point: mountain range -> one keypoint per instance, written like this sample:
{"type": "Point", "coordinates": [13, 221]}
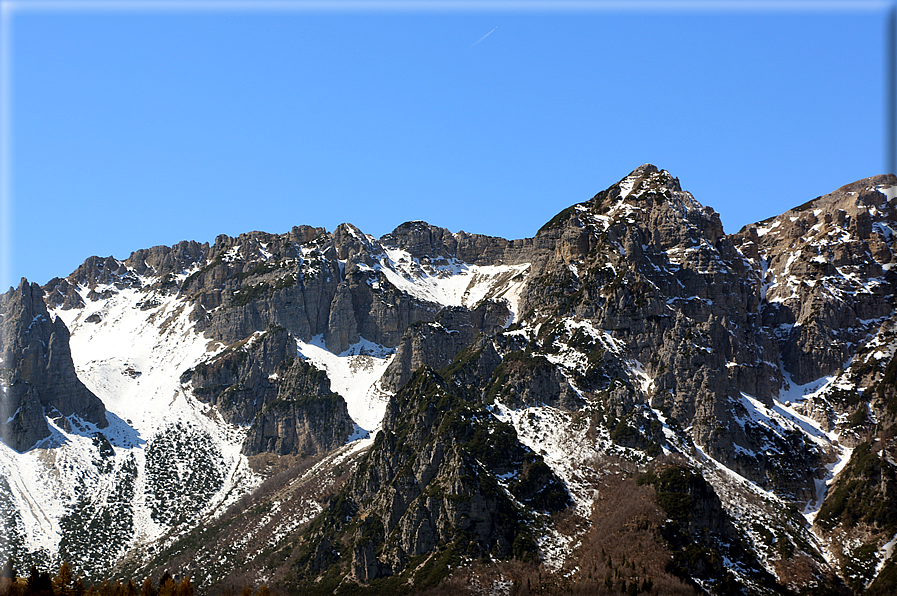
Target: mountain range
{"type": "Point", "coordinates": [630, 401]}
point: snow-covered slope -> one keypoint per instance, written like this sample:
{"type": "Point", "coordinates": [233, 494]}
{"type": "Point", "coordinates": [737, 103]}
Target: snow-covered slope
{"type": "Point", "coordinates": [129, 349]}
{"type": "Point", "coordinates": [451, 282]}
{"type": "Point", "coordinates": [354, 374]}
{"type": "Point", "coordinates": [167, 459]}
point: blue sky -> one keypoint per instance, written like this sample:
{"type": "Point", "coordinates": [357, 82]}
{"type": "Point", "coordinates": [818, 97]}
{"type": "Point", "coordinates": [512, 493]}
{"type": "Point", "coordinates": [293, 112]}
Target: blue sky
{"type": "Point", "coordinates": [138, 127]}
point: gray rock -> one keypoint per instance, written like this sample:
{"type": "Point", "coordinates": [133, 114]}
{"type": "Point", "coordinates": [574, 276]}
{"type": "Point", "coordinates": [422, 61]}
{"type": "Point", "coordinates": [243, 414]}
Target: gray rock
{"type": "Point", "coordinates": [287, 402]}
{"type": "Point", "coordinates": [38, 372]}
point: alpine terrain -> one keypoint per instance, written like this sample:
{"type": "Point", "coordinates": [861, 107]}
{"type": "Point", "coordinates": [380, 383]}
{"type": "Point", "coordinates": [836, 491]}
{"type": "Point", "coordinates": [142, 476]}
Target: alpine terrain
{"type": "Point", "coordinates": [631, 401]}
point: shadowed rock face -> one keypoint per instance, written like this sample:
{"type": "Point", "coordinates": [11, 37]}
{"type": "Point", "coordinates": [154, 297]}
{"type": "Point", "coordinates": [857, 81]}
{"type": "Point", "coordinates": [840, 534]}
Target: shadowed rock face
{"type": "Point", "coordinates": [38, 374]}
{"type": "Point", "coordinates": [286, 402]}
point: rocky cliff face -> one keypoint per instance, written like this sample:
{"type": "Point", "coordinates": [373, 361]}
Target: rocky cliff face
{"type": "Point", "coordinates": [824, 269]}
{"type": "Point", "coordinates": [442, 481]}
{"type": "Point", "coordinates": [473, 394]}
{"type": "Point", "coordinates": [286, 402]}
{"type": "Point", "coordinates": [39, 379]}
{"type": "Point", "coordinates": [650, 266]}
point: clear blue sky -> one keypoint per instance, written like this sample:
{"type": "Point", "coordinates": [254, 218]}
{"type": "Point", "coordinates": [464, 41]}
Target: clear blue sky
{"type": "Point", "coordinates": [132, 128]}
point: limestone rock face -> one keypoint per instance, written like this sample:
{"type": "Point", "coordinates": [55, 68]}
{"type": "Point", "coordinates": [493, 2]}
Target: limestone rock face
{"type": "Point", "coordinates": [342, 329]}
{"type": "Point", "coordinates": [38, 373]}
{"type": "Point", "coordinates": [286, 402]}
{"type": "Point", "coordinates": [434, 344]}
{"type": "Point", "coordinates": [630, 323]}
{"type": "Point", "coordinates": [827, 277]}
{"type": "Point", "coordinates": [299, 423]}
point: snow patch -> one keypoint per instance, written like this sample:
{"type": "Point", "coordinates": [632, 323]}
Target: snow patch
{"type": "Point", "coordinates": [355, 375]}
{"type": "Point", "coordinates": [451, 282]}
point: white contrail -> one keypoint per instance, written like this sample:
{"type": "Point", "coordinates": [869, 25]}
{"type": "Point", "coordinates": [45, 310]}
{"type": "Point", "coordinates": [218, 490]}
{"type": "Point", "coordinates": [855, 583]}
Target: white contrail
{"type": "Point", "coordinates": [482, 38]}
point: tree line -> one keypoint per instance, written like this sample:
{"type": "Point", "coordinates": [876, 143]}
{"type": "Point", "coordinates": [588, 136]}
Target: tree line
{"type": "Point", "coordinates": [66, 583]}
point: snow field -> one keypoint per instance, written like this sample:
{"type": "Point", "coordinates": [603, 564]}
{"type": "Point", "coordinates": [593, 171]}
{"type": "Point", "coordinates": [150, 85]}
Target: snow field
{"type": "Point", "coordinates": [355, 375]}
{"type": "Point", "coordinates": [450, 282]}
{"type": "Point", "coordinates": [132, 359]}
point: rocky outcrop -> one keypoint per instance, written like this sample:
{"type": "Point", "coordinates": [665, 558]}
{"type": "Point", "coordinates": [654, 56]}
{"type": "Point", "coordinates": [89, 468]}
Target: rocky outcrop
{"type": "Point", "coordinates": [38, 373]}
{"type": "Point", "coordinates": [304, 419]}
{"type": "Point", "coordinates": [437, 479]}
{"type": "Point", "coordinates": [241, 379]}
{"type": "Point", "coordinates": [423, 240]}
{"type": "Point", "coordinates": [286, 402]}
{"type": "Point", "coordinates": [435, 344]}
{"type": "Point", "coordinates": [342, 328]}
{"type": "Point", "coordinates": [825, 274]}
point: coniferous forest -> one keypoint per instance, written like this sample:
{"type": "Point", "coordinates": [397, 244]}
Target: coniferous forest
{"type": "Point", "coordinates": [65, 582]}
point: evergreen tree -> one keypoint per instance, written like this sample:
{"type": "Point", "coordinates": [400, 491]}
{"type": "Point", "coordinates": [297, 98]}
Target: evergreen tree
{"type": "Point", "coordinates": [185, 588]}
{"type": "Point", "coordinates": [9, 569]}
{"type": "Point", "coordinates": [10, 587]}
{"type": "Point", "coordinates": [147, 589]}
{"type": "Point", "coordinates": [39, 583]}
{"type": "Point", "coordinates": [32, 576]}
{"type": "Point", "coordinates": [103, 589]}
{"type": "Point", "coordinates": [263, 591]}
{"type": "Point", "coordinates": [166, 585]}
{"type": "Point", "coordinates": [78, 588]}
{"type": "Point", "coordinates": [62, 583]}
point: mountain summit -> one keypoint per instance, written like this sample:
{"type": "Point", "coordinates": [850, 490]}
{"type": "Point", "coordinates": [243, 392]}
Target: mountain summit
{"type": "Point", "coordinates": [629, 400]}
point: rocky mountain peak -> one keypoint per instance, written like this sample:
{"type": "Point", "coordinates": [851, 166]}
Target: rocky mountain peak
{"type": "Point", "coordinates": [421, 239]}
{"type": "Point", "coordinates": [671, 215]}
{"type": "Point", "coordinates": [431, 399]}
{"type": "Point", "coordinates": [38, 375]}
{"type": "Point", "coordinates": [349, 241]}
{"type": "Point", "coordinates": [646, 178]}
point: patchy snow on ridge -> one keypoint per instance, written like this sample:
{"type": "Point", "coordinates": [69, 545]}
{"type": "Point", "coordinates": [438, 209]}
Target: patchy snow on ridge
{"type": "Point", "coordinates": [451, 282]}
{"type": "Point", "coordinates": [627, 184]}
{"type": "Point", "coordinates": [889, 191]}
{"type": "Point", "coordinates": [793, 393]}
{"type": "Point", "coordinates": [563, 445]}
{"type": "Point", "coordinates": [568, 352]}
{"type": "Point", "coordinates": [780, 421]}
{"type": "Point", "coordinates": [565, 448]}
{"type": "Point", "coordinates": [355, 375]}
{"type": "Point", "coordinates": [887, 550]}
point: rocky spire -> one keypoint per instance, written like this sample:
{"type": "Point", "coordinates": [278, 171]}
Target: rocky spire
{"type": "Point", "coordinates": [38, 375]}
